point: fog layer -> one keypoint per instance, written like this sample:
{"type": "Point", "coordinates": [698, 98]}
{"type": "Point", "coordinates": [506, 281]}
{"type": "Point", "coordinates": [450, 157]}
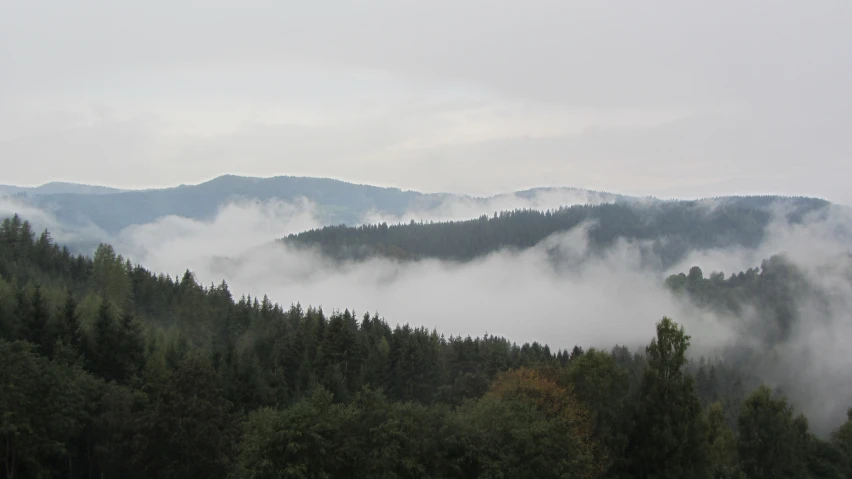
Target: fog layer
{"type": "Point", "coordinates": [600, 301]}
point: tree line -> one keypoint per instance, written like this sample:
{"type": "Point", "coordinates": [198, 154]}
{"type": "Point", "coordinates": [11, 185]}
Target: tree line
{"type": "Point", "coordinates": [673, 228]}
{"type": "Point", "coordinates": [110, 370]}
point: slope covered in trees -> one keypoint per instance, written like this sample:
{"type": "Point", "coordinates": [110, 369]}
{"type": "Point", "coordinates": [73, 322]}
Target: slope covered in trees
{"type": "Point", "coordinates": [671, 228]}
{"type": "Point", "coordinates": [112, 371]}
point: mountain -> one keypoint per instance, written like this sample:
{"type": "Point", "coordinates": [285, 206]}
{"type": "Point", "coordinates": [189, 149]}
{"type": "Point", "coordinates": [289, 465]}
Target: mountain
{"type": "Point", "coordinates": [336, 202]}
{"type": "Point", "coordinates": [425, 225]}
{"type": "Point", "coordinates": [57, 187]}
{"type": "Point", "coordinates": [165, 377]}
{"type": "Point", "coordinates": [668, 230]}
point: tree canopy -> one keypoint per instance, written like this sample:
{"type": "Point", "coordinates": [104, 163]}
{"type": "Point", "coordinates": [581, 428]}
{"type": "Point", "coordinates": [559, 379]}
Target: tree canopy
{"type": "Point", "coordinates": [110, 370]}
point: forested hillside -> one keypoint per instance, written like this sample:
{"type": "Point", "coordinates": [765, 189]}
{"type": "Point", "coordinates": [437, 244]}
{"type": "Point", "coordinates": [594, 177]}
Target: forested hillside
{"type": "Point", "coordinates": [774, 291]}
{"type": "Point", "coordinates": [671, 229]}
{"type": "Point", "coordinates": [109, 370]}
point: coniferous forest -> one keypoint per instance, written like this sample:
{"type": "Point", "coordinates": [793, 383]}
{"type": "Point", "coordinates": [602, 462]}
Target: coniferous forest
{"type": "Point", "coordinates": [108, 370]}
{"type": "Point", "coordinates": [672, 229]}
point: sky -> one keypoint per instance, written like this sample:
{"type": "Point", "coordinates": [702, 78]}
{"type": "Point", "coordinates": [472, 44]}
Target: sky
{"type": "Point", "coordinates": [666, 98]}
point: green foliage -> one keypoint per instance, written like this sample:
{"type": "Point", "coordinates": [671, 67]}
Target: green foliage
{"type": "Point", "coordinates": [672, 228]}
{"type": "Point", "coordinates": [190, 431]}
{"type": "Point", "coordinates": [110, 276]}
{"type": "Point", "coordinates": [772, 442]}
{"type": "Point", "coordinates": [303, 441]}
{"type": "Point", "coordinates": [669, 438]}
{"type": "Point", "coordinates": [722, 444]}
{"type": "Point", "coordinates": [35, 320]}
{"type": "Point", "coordinates": [153, 376]}
{"type": "Point", "coordinates": [68, 323]}
{"type": "Point", "coordinates": [842, 437]}
{"type": "Point", "coordinates": [773, 290]}
{"type": "Point", "coordinates": [603, 386]}
{"type": "Point", "coordinates": [41, 410]}
{"type": "Point", "coordinates": [827, 460]}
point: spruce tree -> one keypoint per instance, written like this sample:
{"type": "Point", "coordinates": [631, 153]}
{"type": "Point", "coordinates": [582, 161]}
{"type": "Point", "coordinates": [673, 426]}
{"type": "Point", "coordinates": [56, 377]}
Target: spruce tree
{"type": "Point", "coordinates": [69, 322]}
{"type": "Point", "coordinates": [131, 345]}
{"type": "Point", "coordinates": [102, 348]}
{"type": "Point", "coordinates": [35, 323]}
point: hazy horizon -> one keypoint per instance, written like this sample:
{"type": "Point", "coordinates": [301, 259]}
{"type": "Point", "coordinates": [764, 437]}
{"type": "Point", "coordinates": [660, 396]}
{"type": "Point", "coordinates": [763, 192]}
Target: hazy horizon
{"type": "Point", "coordinates": [666, 99]}
{"type": "Point", "coordinates": [519, 239]}
{"type": "Point", "coordinates": [487, 194]}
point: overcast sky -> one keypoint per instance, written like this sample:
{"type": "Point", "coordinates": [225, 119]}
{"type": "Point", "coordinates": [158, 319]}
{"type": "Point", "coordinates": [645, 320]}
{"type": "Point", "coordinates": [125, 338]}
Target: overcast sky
{"type": "Point", "coordinates": [671, 98]}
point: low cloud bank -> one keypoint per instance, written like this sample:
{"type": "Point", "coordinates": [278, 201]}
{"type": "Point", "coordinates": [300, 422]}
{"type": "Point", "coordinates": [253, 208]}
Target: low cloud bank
{"type": "Point", "coordinates": [601, 301]}
{"type": "Point", "coordinates": [813, 365]}
{"type": "Point", "coordinates": [83, 236]}
{"type": "Point", "coordinates": [465, 208]}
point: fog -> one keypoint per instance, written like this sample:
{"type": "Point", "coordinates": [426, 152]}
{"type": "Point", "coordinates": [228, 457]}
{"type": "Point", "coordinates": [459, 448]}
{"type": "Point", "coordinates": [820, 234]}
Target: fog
{"type": "Point", "coordinates": [465, 207]}
{"type": "Point", "coordinates": [80, 236]}
{"type": "Point", "coordinates": [600, 301]}
{"type": "Point", "coordinates": [812, 366]}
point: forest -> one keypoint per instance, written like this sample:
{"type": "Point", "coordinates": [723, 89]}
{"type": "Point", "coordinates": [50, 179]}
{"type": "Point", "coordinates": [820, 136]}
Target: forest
{"type": "Point", "coordinates": [113, 371]}
{"type": "Point", "coordinates": [672, 228]}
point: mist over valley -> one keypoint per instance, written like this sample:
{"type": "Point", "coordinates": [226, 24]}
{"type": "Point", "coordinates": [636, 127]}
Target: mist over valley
{"type": "Point", "coordinates": [402, 240]}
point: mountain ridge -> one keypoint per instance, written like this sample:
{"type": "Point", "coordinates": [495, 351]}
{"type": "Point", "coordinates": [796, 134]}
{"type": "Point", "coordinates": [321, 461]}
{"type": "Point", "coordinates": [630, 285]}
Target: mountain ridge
{"type": "Point", "coordinates": [337, 201]}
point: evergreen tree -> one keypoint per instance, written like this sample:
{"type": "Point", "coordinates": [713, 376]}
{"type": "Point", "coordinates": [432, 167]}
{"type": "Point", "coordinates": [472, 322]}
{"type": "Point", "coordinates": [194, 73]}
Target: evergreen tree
{"type": "Point", "coordinates": [191, 431]}
{"type": "Point", "coordinates": [151, 403]}
{"type": "Point", "coordinates": [102, 349]}
{"type": "Point", "coordinates": [130, 343]}
{"type": "Point", "coordinates": [68, 320]}
{"type": "Point", "coordinates": [21, 313]}
{"type": "Point", "coordinates": [35, 326]}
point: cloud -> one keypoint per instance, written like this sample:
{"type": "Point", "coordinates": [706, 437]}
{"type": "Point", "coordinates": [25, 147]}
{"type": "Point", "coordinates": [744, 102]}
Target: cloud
{"type": "Point", "coordinates": [536, 302]}
{"type": "Point", "coordinates": [79, 237]}
{"type": "Point", "coordinates": [172, 244]}
{"type": "Point", "coordinates": [460, 208]}
{"type": "Point", "coordinates": [592, 300]}
{"type": "Point", "coordinates": [815, 355]}
{"type": "Point", "coordinates": [639, 99]}
{"type": "Point", "coordinates": [580, 53]}
{"type": "Point", "coordinates": [812, 243]}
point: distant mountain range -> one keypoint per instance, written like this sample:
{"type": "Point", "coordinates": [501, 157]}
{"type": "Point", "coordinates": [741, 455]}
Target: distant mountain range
{"type": "Point", "coordinates": [336, 202]}
{"type": "Point", "coordinates": [57, 187]}
{"type": "Point", "coordinates": [464, 227]}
